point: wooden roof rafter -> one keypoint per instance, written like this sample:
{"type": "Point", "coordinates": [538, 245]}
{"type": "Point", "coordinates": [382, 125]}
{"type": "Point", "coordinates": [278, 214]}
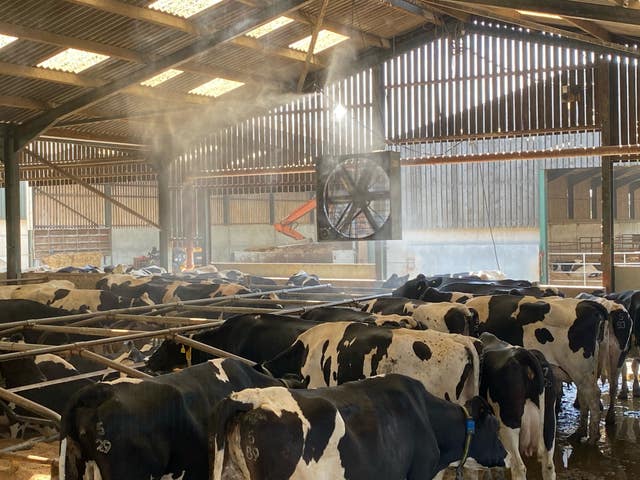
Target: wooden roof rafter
{"type": "Point", "coordinates": [188, 26]}
{"type": "Point", "coordinates": [38, 125]}
{"type": "Point", "coordinates": [509, 14]}
{"type": "Point", "coordinates": [65, 41]}
{"type": "Point", "coordinates": [566, 8]}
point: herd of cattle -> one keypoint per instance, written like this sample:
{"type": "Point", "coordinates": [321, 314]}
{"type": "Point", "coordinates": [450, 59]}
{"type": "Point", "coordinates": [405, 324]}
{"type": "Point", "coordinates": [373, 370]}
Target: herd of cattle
{"type": "Point", "coordinates": [445, 372]}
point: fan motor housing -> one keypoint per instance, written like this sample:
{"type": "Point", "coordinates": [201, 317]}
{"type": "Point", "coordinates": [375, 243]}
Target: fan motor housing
{"type": "Point", "coordinates": [359, 197]}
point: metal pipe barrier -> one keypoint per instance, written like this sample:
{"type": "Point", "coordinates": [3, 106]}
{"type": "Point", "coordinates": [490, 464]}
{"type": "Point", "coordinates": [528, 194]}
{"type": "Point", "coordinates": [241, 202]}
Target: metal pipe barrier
{"type": "Point", "coordinates": [144, 308]}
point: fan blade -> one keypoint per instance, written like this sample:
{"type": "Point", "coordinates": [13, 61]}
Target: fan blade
{"type": "Point", "coordinates": [372, 221]}
{"type": "Point", "coordinates": [346, 217]}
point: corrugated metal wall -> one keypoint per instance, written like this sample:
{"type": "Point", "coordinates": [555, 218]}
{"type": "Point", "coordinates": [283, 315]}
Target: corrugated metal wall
{"type": "Point", "coordinates": [460, 94]}
{"type": "Point", "coordinates": [480, 195]}
{"type": "Point", "coordinates": [257, 208]}
{"type": "Point", "coordinates": [74, 206]}
{"type": "Point", "coordinates": [93, 164]}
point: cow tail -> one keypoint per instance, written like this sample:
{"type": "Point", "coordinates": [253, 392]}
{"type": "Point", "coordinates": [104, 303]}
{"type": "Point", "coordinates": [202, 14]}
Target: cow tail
{"type": "Point", "coordinates": [220, 427]}
{"type": "Point", "coordinates": [288, 362]}
{"type": "Point", "coordinates": [535, 376]}
{"type": "Point", "coordinates": [622, 329]}
{"type": "Point", "coordinates": [474, 356]}
{"type": "Point", "coordinates": [474, 323]}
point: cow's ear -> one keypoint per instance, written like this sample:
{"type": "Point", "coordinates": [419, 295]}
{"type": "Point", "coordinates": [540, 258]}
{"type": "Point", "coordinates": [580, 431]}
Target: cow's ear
{"type": "Point", "coordinates": [478, 408]}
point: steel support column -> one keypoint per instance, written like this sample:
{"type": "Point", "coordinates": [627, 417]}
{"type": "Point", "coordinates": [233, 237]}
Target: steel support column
{"type": "Point", "coordinates": [606, 91]}
{"type": "Point", "coordinates": [164, 214]}
{"type": "Point", "coordinates": [12, 202]}
{"type": "Point", "coordinates": [204, 223]}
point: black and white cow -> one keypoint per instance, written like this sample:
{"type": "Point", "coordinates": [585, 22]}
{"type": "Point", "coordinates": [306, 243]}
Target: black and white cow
{"type": "Point", "coordinates": [415, 288]}
{"type": "Point", "coordinates": [303, 279]}
{"type": "Point", "coordinates": [395, 281]}
{"type": "Point", "coordinates": [630, 299]}
{"type": "Point", "coordinates": [30, 290]}
{"type": "Point", "coordinates": [337, 314]}
{"type": "Point", "coordinates": [513, 381]}
{"type": "Point", "coordinates": [20, 310]}
{"type": "Point", "coordinates": [381, 428]}
{"type": "Point", "coordinates": [81, 300]}
{"type": "Point", "coordinates": [567, 331]}
{"type": "Point", "coordinates": [434, 295]}
{"type": "Point", "coordinates": [257, 337]}
{"type": "Point", "coordinates": [443, 316]}
{"type": "Point", "coordinates": [167, 289]}
{"type": "Point", "coordinates": [342, 314]}
{"type": "Point", "coordinates": [614, 346]}
{"type": "Point", "coordinates": [140, 429]}
{"type": "Point", "coordinates": [334, 353]}
{"type": "Point", "coordinates": [27, 371]}
{"type": "Point", "coordinates": [490, 288]}
{"type": "Point", "coordinates": [180, 292]}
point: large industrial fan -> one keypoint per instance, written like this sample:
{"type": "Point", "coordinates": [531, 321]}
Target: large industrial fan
{"type": "Point", "coordinates": [358, 197]}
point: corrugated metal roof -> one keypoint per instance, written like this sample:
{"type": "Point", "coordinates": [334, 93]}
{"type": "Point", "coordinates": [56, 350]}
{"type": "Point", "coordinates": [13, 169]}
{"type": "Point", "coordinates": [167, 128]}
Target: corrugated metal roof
{"type": "Point", "coordinates": [85, 23]}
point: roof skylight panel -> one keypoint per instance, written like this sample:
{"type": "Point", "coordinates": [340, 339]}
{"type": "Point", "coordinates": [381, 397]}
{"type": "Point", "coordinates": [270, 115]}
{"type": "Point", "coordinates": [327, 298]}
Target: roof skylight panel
{"type": "Point", "coordinates": [182, 8]}
{"type": "Point", "coordinates": [161, 78]}
{"type": "Point", "coordinates": [267, 28]}
{"type": "Point", "coordinates": [72, 60]}
{"type": "Point", "coordinates": [216, 87]}
{"type": "Point", "coordinates": [326, 39]}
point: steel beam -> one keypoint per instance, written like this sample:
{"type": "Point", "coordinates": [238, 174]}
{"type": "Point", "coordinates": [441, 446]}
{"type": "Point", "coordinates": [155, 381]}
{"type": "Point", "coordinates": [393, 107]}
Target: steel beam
{"type": "Point", "coordinates": [88, 186]}
{"type": "Point", "coordinates": [164, 214]}
{"type": "Point", "coordinates": [34, 407]}
{"type": "Point", "coordinates": [312, 44]}
{"type": "Point", "coordinates": [12, 203]}
{"type": "Point", "coordinates": [605, 92]}
{"type": "Point", "coordinates": [604, 151]}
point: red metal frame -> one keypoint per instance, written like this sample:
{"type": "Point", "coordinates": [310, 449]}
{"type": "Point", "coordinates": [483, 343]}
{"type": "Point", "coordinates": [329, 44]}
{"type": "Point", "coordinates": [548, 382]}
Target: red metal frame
{"type": "Point", "coordinates": [284, 225]}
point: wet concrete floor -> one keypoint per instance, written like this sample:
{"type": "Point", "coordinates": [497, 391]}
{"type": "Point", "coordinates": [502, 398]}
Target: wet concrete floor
{"type": "Point", "coordinates": [617, 454]}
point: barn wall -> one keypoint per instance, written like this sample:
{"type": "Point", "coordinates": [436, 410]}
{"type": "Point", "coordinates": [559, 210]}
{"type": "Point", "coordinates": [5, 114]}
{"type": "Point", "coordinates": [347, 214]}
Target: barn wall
{"type": "Point", "coordinates": [24, 245]}
{"type": "Point", "coordinates": [449, 251]}
{"type": "Point", "coordinates": [127, 243]}
{"type": "Point", "coordinates": [228, 242]}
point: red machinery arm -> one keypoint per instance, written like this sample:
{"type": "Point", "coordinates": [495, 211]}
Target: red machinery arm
{"type": "Point", "coordinates": [284, 225]}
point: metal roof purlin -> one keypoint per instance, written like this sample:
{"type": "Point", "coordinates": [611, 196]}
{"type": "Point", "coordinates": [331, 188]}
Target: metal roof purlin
{"type": "Point", "coordinates": [35, 127]}
{"type": "Point", "coordinates": [586, 11]}
{"type": "Point", "coordinates": [64, 41]}
{"type": "Point", "coordinates": [510, 16]}
{"type": "Point", "coordinates": [191, 27]}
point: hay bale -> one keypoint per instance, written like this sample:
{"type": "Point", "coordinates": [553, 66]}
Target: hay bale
{"type": "Point", "coordinates": [77, 259]}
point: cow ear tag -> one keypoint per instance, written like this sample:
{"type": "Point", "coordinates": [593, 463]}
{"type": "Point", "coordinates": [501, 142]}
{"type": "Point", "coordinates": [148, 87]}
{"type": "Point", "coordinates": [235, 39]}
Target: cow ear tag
{"type": "Point", "coordinates": [187, 354]}
{"type": "Point", "coordinates": [471, 426]}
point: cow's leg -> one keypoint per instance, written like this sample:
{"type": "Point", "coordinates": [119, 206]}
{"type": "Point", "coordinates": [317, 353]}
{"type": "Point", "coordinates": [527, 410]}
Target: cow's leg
{"type": "Point", "coordinates": [589, 394]}
{"type": "Point", "coordinates": [634, 372]}
{"type": "Point", "coordinates": [510, 438]}
{"type": "Point", "coordinates": [624, 389]}
{"type": "Point", "coordinates": [545, 457]}
{"type": "Point", "coordinates": [440, 475]}
{"type": "Point", "coordinates": [614, 356]}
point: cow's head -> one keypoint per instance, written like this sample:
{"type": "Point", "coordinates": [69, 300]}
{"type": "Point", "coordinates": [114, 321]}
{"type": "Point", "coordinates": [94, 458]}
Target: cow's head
{"type": "Point", "coordinates": [622, 328]}
{"type": "Point", "coordinates": [485, 448]}
{"type": "Point", "coordinates": [168, 356]}
{"type": "Point", "coordinates": [413, 289]}
{"type": "Point", "coordinates": [473, 320]}
{"type": "Point", "coordinates": [142, 300]}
